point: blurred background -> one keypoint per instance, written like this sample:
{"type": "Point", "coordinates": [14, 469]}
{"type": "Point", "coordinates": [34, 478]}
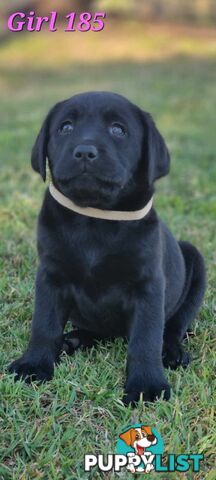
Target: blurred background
{"type": "Point", "coordinates": [161, 54]}
{"type": "Point", "coordinates": [192, 11]}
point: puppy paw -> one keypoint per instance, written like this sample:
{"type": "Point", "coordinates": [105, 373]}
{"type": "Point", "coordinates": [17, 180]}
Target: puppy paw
{"type": "Point", "coordinates": [131, 398]}
{"type": "Point", "coordinates": [149, 468]}
{"type": "Point", "coordinates": [174, 356]}
{"type": "Point", "coordinates": [150, 394]}
{"type": "Point", "coordinates": [30, 370]}
{"type": "Point", "coordinates": [77, 339]}
{"type": "Point", "coordinates": [71, 343]}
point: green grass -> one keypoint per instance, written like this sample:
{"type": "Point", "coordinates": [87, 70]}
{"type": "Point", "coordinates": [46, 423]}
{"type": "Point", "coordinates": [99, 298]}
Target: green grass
{"type": "Point", "coordinates": [46, 429]}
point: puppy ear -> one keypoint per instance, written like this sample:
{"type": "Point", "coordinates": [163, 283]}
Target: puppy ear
{"type": "Point", "coordinates": [39, 150]}
{"type": "Point", "coordinates": [146, 429]}
{"type": "Point", "coordinates": [126, 437]}
{"type": "Point", "coordinates": [156, 153]}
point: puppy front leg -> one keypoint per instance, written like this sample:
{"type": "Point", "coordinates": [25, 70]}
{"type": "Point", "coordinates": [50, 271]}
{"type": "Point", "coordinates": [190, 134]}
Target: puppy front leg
{"type": "Point", "coordinates": [144, 364]}
{"type": "Point", "coordinates": [49, 319]}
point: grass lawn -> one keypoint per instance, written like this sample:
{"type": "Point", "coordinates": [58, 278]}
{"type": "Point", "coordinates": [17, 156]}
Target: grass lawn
{"type": "Point", "coordinates": [47, 429]}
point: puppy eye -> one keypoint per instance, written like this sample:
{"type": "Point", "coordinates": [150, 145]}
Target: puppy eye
{"type": "Point", "coordinates": [117, 130]}
{"type": "Point", "coordinates": [66, 128]}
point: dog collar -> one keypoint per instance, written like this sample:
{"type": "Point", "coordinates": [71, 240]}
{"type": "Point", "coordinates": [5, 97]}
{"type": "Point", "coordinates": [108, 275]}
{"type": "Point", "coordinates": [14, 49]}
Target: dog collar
{"type": "Point", "coordinates": [96, 212]}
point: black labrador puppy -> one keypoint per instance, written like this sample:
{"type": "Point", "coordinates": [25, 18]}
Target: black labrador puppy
{"type": "Point", "coordinates": [107, 262]}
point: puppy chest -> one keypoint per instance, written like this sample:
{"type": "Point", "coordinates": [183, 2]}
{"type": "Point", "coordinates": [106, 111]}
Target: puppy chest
{"type": "Point", "coordinates": [106, 313]}
{"type": "Point", "coordinates": [104, 295]}
{"type": "Point", "coordinates": [102, 272]}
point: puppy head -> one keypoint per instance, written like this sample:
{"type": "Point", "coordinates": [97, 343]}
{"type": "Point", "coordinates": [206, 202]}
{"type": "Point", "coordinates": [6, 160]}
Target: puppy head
{"type": "Point", "coordinates": [102, 150]}
{"type": "Point", "coordinates": [139, 438]}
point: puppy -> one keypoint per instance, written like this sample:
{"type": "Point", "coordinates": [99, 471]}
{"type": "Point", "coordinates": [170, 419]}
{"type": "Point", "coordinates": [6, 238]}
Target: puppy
{"type": "Point", "coordinates": [139, 439]}
{"type": "Point", "coordinates": [106, 260]}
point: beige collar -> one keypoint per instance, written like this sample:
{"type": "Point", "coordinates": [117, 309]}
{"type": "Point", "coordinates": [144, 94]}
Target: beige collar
{"type": "Point", "coordinates": [96, 212]}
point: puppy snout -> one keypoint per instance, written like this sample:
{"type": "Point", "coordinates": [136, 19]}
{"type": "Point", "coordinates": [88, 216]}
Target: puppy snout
{"type": "Point", "coordinates": [85, 152]}
{"type": "Point", "coordinates": [150, 438]}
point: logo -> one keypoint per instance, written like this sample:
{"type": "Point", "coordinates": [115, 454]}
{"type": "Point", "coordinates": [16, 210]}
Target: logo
{"type": "Point", "coordinates": [140, 443]}
{"type": "Point", "coordinates": [140, 449]}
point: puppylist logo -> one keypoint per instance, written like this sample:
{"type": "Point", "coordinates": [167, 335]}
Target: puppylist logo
{"type": "Point", "coordinates": [140, 449]}
{"type": "Point", "coordinates": [140, 444]}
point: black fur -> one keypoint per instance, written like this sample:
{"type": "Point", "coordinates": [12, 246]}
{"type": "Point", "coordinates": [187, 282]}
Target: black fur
{"type": "Point", "coordinates": [111, 278]}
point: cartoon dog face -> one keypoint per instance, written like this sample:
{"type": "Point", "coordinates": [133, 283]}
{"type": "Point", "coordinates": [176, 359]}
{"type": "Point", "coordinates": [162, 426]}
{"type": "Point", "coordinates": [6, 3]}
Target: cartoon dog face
{"type": "Point", "coordinates": [139, 438]}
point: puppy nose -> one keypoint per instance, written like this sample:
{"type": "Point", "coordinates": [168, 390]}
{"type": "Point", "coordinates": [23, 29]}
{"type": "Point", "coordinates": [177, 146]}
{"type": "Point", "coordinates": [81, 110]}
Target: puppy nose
{"type": "Point", "coordinates": [150, 438]}
{"type": "Point", "coordinates": [85, 152]}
